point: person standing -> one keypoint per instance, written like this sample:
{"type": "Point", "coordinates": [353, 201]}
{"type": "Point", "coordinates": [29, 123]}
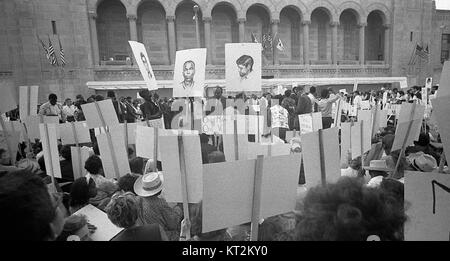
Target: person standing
{"type": "Point", "coordinates": [69, 110]}
{"type": "Point", "coordinates": [325, 106]}
{"type": "Point", "coordinates": [304, 105]}
{"type": "Point", "coordinates": [131, 113]}
{"type": "Point", "coordinates": [53, 108]}
{"type": "Point", "coordinates": [150, 110]}
{"type": "Point", "coordinates": [117, 107]}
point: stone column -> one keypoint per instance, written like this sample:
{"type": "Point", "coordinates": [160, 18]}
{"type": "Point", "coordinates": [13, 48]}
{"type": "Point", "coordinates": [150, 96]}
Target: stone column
{"type": "Point", "coordinates": [94, 39]}
{"type": "Point", "coordinates": [306, 41]}
{"type": "Point", "coordinates": [207, 23]}
{"type": "Point", "coordinates": [172, 39]}
{"type": "Point", "coordinates": [275, 23]}
{"type": "Point", "coordinates": [387, 38]}
{"type": "Point", "coordinates": [133, 27]}
{"type": "Point", "coordinates": [362, 43]}
{"type": "Point", "coordinates": [334, 28]}
{"type": "Point", "coordinates": [241, 22]}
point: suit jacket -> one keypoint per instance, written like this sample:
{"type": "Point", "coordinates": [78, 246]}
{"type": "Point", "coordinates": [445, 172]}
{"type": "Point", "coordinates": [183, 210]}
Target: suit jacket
{"type": "Point", "coordinates": [150, 110]}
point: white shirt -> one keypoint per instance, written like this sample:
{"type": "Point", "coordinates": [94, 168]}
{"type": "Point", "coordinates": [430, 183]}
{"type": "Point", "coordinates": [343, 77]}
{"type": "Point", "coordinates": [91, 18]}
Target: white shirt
{"type": "Point", "coordinates": [357, 101]}
{"type": "Point", "coordinates": [313, 101]}
{"type": "Point", "coordinates": [69, 110]}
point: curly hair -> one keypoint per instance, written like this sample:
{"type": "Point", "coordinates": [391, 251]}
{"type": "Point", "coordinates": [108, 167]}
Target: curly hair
{"type": "Point", "coordinates": [350, 211]}
{"type": "Point", "coordinates": [122, 210]}
{"type": "Point", "coordinates": [93, 164]}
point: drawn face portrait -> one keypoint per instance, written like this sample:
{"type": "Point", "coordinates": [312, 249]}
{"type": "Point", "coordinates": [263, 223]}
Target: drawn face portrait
{"type": "Point", "coordinates": [245, 66]}
{"type": "Point", "coordinates": [188, 70]}
{"type": "Point", "coordinates": [147, 67]}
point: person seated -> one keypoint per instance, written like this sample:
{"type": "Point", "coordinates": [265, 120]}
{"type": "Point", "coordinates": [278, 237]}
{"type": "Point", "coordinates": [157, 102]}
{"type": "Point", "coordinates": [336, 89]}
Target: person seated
{"type": "Point", "coordinates": [155, 209]}
{"type": "Point", "coordinates": [66, 168]}
{"type": "Point", "coordinates": [350, 211]}
{"type": "Point", "coordinates": [123, 211]}
{"type": "Point", "coordinates": [29, 211]}
{"type": "Point", "coordinates": [81, 191]}
{"type": "Point", "coordinates": [423, 145]}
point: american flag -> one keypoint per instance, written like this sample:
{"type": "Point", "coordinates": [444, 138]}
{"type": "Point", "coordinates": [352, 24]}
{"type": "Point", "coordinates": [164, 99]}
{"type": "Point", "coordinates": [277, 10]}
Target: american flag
{"type": "Point", "coordinates": [51, 53]}
{"type": "Point", "coordinates": [45, 48]}
{"type": "Point", "coordinates": [422, 53]}
{"type": "Point", "coordinates": [61, 53]}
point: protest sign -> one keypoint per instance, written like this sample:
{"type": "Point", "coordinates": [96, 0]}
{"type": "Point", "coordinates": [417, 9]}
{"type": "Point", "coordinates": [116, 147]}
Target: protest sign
{"type": "Point", "coordinates": [106, 230]}
{"type": "Point", "coordinates": [366, 116]}
{"type": "Point", "coordinates": [157, 123]}
{"type": "Point", "coordinates": [444, 83]}
{"type": "Point", "coordinates": [345, 142]}
{"type": "Point", "coordinates": [408, 125]}
{"type": "Point", "coordinates": [212, 125]}
{"type": "Point", "coordinates": [229, 190]}
{"type": "Point", "coordinates": [28, 98]}
{"type": "Point", "coordinates": [145, 142]}
{"type": "Point", "coordinates": [143, 62]}
{"type": "Point", "coordinates": [50, 148]}
{"type": "Point", "coordinates": [189, 73]}
{"type": "Point", "coordinates": [338, 113]}
{"type": "Point", "coordinates": [172, 167]}
{"type": "Point", "coordinates": [441, 109]}
{"type": "Point", "coordinates": [428, 197]}
{"type": "Point", "coordinates": [16, 126]}
{"type": "Point", "coordinates": [74, 132]}
{"type": "Point", "coordinates": [129, 131]}
{"type": "Point", "coordinates": [267, 150]}
{"type": "Point", "coordinates": [320, 152]}
{"type": "Point", "coordinates": [113, 153]}
{"type": "Point", "coordinates": [280, 117]}
{"type": "Point", "coordinates": [243, 67]}
{"type": "Point", "coordinates": [9, 141]}
{"type": "Point", "coordinates": [356, 141]}
{"type": "Point", "coordinates": [310, 122]}
{"type": "Point", "coordinates": [8, 100]}
{"type": "Point", "coordinates": [79, 157]}
{"type": "Point", "coordinates": [100, 114]}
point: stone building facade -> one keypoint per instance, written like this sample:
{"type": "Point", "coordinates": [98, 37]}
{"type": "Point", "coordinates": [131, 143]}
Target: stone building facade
{"type": "Point", "coordinates": [322, 38]}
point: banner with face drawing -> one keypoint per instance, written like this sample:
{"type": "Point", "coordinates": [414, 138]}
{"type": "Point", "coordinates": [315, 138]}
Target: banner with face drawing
{"type": "Point", "coordinates": [189, 73]}
{"type": "Point", "coordinates": [243, 66]}
{"type": "Point", "coordinates": [141, 57]}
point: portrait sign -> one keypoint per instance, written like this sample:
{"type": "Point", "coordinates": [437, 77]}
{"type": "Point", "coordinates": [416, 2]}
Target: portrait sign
{"type": "Point", "coordinates": [189, 73]}
{"type": "Point", "coordinates": [243, 66]}
{"type": "Point", "coordinates": [140, 54]}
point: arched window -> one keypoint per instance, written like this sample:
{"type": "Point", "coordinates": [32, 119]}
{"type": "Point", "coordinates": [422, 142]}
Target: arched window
{"type": "Point", "coordinates": [320, 36]}
{"type": "Point", "coordinates": [348, 42]}
{"type": "Point", "coordinates": [225, 29]}
{"type": "Point", "coordinates": [152, 31]}
{"type": "Point", "coordinates": [185, 26]}
{"type": "Point", "coordinates": [289, 33]}
{"type": "Point", "coordinates": [113, 32]}
{"type": "Point", "coordinates": [258, 24]}
{"type": "Point", "coordinates": [375, 37]}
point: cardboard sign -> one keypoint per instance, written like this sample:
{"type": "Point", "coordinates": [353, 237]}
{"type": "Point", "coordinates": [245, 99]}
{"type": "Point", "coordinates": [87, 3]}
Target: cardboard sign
{"type": "Point", "coordinates": [28, 97]}
{"type": "Point", "coordinates": [444, 83]}
{"type": "Point", "coordinates": [267, 150]}
{"type": "Point", "coordinates": [212, 125]}
{"type": "Point", "coordinates": [228, 190]}
{"type": "Point", "coordinates": [424, 93]}
{"type": "Point", "coordinates": [428, 195]}
{"type": "Point", "coordinates": [79, 157]}
{"type": "Point", "coordinates": [365, 105]}
{"type": "Point", "coordinates": [243, 67]}
{"type": "Point", "coordinates": [13, 139]}
{"type": "Point", "coordinates": [106, 230]}
{"type": "Point", "coordinates": [291, 135]}
{"type": "Point", "coordinates": [280, 117]}
{"type": "Point", "coordinates": [130, 132]}
{"type": "Point", "coordinates": [157, 123]}
{"type": "Point", "coordinates": [404, 123]}
{"type": "Point", "coordinates": [353, 112]}
{"type": "Point", "coordinates": [50, 148]}
{"type": "Point", "coordinates": [16, 126]}
{"type": "Point", "coordinates": [74, 132]}
{"type": "Point", "coordinates": [345, 142]}
{"type": "Point", "coordinates": [429, 83]}
{"type": "Point", "coordinates": [338, 113]}
{"type": "Point", "coordinates": [366, 116]}
{"type": "Point", "coordinates": [100, 114]}
{"type": "Point", "coordinates": [171, 167]}
{"type": "Point", "coordinates": [113, 153]}
{"type": "Point", "coordinates": [8, 100]}
{"type": "Point", "coordinates": [380, 119]}
{"type": "Point", "coordinates": [441, 109]}
{"type": "Point", "coordinates": [141, 57]}
{"type": "Point", "coordinates": [310, 122]}
{"type": "Point", "coordinates": [356, 140]}
{"type": "Point", "coordinates": [189, 73]}
{"type": "Point", "coordinates": [235, 144]}
{"type": "Point", "coordinates": [321, 156]}
{"type": "Point", "coordinates": [145, 142]}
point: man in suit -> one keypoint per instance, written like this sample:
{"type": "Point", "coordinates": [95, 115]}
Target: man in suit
{"type": "Point", "coordinates": [304, 105]}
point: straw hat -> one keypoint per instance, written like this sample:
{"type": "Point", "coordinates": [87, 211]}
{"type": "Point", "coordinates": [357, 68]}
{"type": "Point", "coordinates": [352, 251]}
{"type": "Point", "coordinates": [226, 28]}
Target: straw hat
{"type": "Point", "coordinates": [378, 165]}
{"type": "Point", "coordinates": [422, 162]}
{"type": "Point", "coordinates": [149, 184]}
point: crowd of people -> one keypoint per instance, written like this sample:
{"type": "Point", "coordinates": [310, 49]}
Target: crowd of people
{"type": "Point", "coordinates": [366, 203]}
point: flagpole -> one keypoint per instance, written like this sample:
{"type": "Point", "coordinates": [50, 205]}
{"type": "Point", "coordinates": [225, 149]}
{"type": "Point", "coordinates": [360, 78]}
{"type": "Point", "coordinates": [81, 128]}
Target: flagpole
{"type": "Point", "coordinates": [197, 26]}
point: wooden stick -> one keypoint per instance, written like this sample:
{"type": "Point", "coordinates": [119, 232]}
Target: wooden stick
{"type": "Point", "coordinates": [374, 121]}
{"type": "Point", "coordinates": [9, 146]}
{"type": "Point", "coordinates": [236, 141]}
{"type": "Point", "coordinates": [256, 204]}
{"type": "Point", "coordinates": [155, 148]}
{"type": "Point", "coordinates": [184, 188]}
{"type": "Point", "coordinates": [442, 163]}
{"type": "Point", "coordinates": [258, 132]}
{"type": "Point", "coordinates": [77, 144]}
{"type": "Point", "coordinates": [110, 143]}
{"type": "Point", "coordinates": [362, 144]}
{"type": "Point", "coordinates": [50, 155]}
{"type": "Point", "coordinates": [126, 135]}
{"type": "Point", "coordinates": [322, 159]}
